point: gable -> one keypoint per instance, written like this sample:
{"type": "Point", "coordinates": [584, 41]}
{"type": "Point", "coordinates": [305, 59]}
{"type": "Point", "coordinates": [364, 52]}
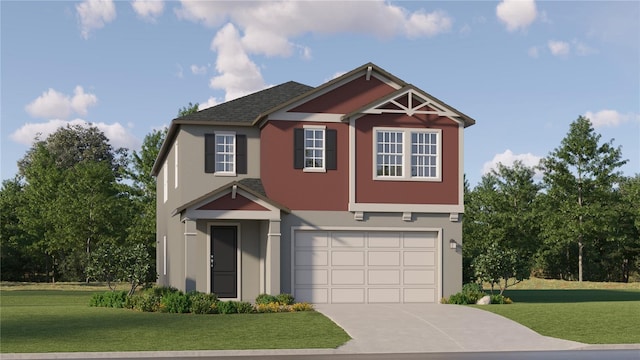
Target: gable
{"type": "Point", "coordinates": [228, 202]}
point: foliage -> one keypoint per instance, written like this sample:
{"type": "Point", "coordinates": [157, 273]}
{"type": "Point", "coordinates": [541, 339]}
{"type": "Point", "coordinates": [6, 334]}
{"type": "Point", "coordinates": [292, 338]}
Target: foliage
{"type": "Point", "coordinates": [303, 306]}
{"type": "Point", "coordinates": [202, 303]}
{"type": "Point", "coordinates": [189, 109]}
{"type": "Point", "coordinates": [498, 266]}
{"type": "Point", "coordinates": [285, 299]}
{"type": "Point", "coordinates": [500, 299]}
{"type": "Point", "coordinates": [470, 294]}
{"type": "Point", "coordinates": [272, 307]}
{"type": "Point", "coordinates": [146, 302]}
{"type": "Point", "coordinates": [129, 263]}
{"type": "Point", "coordinates": [114, 299]}
{"type": "Point", "coordinates": [244, 307]}
{"type": "Point", "coordinates": [227, 307]}
{"type": "Point", "coordinates": [265, 299]}
{"type": "Point", "coordinates": [175, 302]}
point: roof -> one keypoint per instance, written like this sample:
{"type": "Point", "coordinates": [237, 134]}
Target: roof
{"type": "Point", "coordinates": [251, 186]}
{"type": "Point", "coordinates": [243, 111]}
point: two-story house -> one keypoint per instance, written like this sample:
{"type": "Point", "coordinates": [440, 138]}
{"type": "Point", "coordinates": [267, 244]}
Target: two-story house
{"type": "Point", "coordinates": [349, 192]}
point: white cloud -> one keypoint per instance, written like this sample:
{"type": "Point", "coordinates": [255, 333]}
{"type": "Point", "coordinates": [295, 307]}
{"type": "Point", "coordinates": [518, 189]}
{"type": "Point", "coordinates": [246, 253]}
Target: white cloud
{"type": "Point", "coordinates": [148, 10]}
{"type": "Point", "coordinates": [517, 14]}
{"type": "Point", "coordinates": [269, 28]}
{"type": "Point", "coordinates": [198, 70]}
{"type": "Point", "coordinates": [534, 52]}
{"type": "Point", "coordinates": [610, 118]}
{"type": "Point", "coordinates": [53, 104]}
{"type": "Point", "coordinates": [507, 158]}
{"type": "Point", "coordinates": [95, 14]}
{"type": "Point", "coordinates": [212, 101]}
{"type": "Point", "coordinates": [559, 48]}
{"type": "Point", "coordinates": [583, 49]}
{"type": "Point", "coordinates": [118, 135]}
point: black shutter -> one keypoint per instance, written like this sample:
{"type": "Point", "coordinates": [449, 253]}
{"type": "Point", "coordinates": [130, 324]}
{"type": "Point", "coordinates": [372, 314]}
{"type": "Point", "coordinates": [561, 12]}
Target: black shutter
{"type": "Point", "coordinates": [241, 154]}
{"type": "Point", "coordinates": [209, 153]}
{"type": "Point", "coordinates": [298, 148]}
{"type": "Point", "coordinates": [331, 151]}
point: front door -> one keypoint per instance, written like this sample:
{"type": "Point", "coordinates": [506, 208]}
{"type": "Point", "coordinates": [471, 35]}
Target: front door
{"type": "Point", "coordinates": [223, 261]}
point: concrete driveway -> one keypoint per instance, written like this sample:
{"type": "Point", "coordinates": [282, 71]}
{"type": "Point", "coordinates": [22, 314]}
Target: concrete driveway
{"type": "Point", "coordinates": [433, 328]}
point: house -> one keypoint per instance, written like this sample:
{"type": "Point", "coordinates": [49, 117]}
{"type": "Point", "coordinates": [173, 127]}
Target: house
{"type": "Point", "coordinates": [349, 192]}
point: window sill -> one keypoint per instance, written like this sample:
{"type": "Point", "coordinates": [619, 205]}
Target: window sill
{"type": "Point", "coordinates": [224, 174]}
{"type": "Point", "coordinates": [314, 170]}
{"type": "Point", "coordinates": [399, 178]}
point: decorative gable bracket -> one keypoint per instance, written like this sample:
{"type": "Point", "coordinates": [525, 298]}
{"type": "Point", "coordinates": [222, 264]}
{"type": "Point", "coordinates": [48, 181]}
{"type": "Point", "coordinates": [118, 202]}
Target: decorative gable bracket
{"type": "Point", "coordinates": [410, 101]}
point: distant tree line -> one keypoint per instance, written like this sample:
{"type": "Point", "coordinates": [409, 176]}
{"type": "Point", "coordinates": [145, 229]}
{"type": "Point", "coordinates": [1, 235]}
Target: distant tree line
{"type": "Point", "coordinates": [80, 210]}
{"type": "Point", "coordinates": [573, 217]}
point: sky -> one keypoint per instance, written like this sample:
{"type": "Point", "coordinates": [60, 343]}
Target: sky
{"type": "Point", "coordinates": [523, 69]}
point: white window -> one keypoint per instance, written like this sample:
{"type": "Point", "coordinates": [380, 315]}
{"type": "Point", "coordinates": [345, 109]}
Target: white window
{"type": "Point", "coordinates": [314, 148]}
{"type": "Point", "coordinates": [407, 154]}
{"type": "Point", "coordinates": [225, 153]}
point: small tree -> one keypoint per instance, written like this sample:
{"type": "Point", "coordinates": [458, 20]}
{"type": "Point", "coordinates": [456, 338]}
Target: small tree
{"type": "Point", "coordinates": [498, 266]}
{"type": "Point", "coordinates": [128, 263]}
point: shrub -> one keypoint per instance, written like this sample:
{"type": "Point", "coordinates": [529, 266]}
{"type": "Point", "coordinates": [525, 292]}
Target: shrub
{"type": "Point", "coordinates": [175, 302]}
{"type": "Point", "coordinates": [285, 299]}
{"type": "Point", "coordinates": [272, 307]}
{"type": "Point", "coordinates": [147, 302]}
{"type": "Point", "coordinates": [265, 299]}
{"type": "Point", "coordinates": [114, 299]}
{"type": "Point", "coordinates": [227, 307]}
{"type": "Point", "coordinates": [303, 306]}
{"type": "Point", "coordinates": [500, 299]}
{"type": "Point", "coordinates": [470, 294]}
{"type": "Point", "coordinates": [244, 308]}
{"type": "Point", "coordinates": [203, 303]}
{"type": "Point", "coordinates": [161, 291]}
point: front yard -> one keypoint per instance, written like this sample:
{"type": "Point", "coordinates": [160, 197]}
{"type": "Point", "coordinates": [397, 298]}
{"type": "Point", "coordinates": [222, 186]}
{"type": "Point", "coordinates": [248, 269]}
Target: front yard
{"type": "Point", "coordinates": [61, 321]}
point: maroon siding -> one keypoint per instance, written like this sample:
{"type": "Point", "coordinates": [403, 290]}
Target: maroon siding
{"type": "Point", "coordinates": [406, 192]}
{"type": "Point", "coordinates": [348, 97]}
{"type": "Point", "coordinates": [227, 203]}
{"type": "Point", "coordinates": [294, 188]}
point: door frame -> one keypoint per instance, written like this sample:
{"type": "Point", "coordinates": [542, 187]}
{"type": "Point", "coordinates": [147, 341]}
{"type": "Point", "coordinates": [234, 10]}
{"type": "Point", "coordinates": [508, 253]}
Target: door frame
{"type": "Point", "coordinates": [238, 257]}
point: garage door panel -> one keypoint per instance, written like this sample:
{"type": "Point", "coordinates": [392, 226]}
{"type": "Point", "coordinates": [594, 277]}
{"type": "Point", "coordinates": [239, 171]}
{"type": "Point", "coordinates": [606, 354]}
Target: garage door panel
{"type": "Point", "coordinates": [419, 295]}
{"type": "Point", "coordinates": [419, 258]}
{"type": "Point", "coordinates": [312, 258]}
{"type": "Point", "coordinates": [347, 277]}
{"type": "Point", "coordinates": [419, 277]}
{"type": "Point", "coordinates": [384, 295]}
{"type": "Point", "coordinates": [420, 240]}
{"type": "Point", "coordinates": [315, 295]}
{"type": "Point", "coordinates": [312, 277]}
{"type": "Point", "coordinates": [384, 258]}
{"type": "Point", "coordinates": [384, 277]}
{"type": "Point", "coordinates": [350, 240]}
{"type": "Point", "coordinates": [347, 296]}
{"type": "Point", "coordinates": [347, 258]}
{"type": "Point", "coordinates": [313, 239]}
{"type": "Point", "coordinates": [384, 240]}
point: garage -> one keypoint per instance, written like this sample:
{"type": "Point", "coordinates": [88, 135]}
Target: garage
{"type": "Point", "coordinates": [366, 266]}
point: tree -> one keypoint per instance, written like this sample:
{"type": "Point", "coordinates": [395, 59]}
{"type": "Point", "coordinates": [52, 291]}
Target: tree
{"type": "Point", "coordinates": [497, 265]}
{"type": "Point", "coordinates": [129, 263]}
{"type": "Point", "coordinates": [499, 215]}
{"type": "Point", "coordinates": [579, 178]}
{"type": "Point", "coordinates": [72, 197]}
{"type": "Point", "coordinates": [189, 109]}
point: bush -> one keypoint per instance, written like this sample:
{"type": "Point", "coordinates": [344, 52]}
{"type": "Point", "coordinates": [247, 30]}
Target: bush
{"type": "Point", "coordinates": [500, 299]}
{"type": "Point", "coordinates": [114, 299]}
{"type": "Point", "coordinates": [203, 303]}
{"type": "Point", "coordinates": [272, 307]}
{"type": "Point", "coordinates": [147, 302]}
{"type": "Point", "coordinates": [245, 308]}
{"type": "Point", "coordinates": [175, 302]}
{"type": "Point", "coordinates": [470, 294]}
{"type": "Point", "coordinates": [265, 299]}
{"type": "Point", "coordinates": [285, 299]}
{"type": "Point", "coordinates": [227, 307]}
{"type": "Point", "coordinates": [303, 306]}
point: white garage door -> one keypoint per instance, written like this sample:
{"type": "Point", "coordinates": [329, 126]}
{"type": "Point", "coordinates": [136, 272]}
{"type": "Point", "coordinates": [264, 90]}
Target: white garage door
{"type": "Point", "coordinates": [366, 267]}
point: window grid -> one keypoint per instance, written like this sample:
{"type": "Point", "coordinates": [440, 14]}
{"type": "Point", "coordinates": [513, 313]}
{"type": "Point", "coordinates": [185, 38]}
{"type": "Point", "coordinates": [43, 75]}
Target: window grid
{"type": "Point", "coordinates": [314, 148]}
{"type": "Point", "coordinates": [424, 155]}
{"type": "Point", "coordinates": [389, 153]}
{"type": "Point", "coordinates": [225, 153]}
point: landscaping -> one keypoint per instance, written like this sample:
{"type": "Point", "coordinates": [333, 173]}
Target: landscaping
{"type": "Point", "coordinates": [592, 313]}
{"type": "Point", "coordinates": [55, 320]}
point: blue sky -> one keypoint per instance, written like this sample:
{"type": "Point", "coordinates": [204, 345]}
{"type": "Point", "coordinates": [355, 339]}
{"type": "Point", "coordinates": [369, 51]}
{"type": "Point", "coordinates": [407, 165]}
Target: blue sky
{"type": "Point", "coordinates": [523, 69]}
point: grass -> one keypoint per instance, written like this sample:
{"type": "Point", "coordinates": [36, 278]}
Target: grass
{"type": "Point", "coordinates": [592, 313]}
{"type": "Point", "coordinates": [61, 321]}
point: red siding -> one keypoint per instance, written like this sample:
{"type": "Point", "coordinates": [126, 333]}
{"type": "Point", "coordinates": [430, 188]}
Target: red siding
{"type": "Point", "coordinates": [294, 188]}
{"type": "Point", "coordinates": [406, 192]}
{"type": "Point", "coordinates": [227, 203]}
{"type": "Point", "coordinates": [348, 97]}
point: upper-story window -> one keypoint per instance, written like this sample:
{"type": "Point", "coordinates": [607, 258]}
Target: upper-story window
{"type": "Point", "coordinates": [407, 154]}
{"type": "Point", "coordinates": [315, 148]}
{"type": "Point", "coordinates": [225, 153]}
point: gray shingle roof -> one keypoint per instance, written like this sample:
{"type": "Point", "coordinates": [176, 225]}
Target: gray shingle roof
{"type": "Point", "coordinates": [246, 109]}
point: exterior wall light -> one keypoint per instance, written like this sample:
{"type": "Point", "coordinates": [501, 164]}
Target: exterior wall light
{"type": "Point", "coordinates": [453, 244]}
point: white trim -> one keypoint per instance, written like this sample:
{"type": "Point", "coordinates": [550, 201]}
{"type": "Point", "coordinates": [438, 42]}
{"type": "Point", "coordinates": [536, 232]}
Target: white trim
{"type": "Point", "coordinates": [164, 255]}
{"type": "Point", "coordinates": [238, 254]}
{"type": "Point", "coordinates": [402, 208]}
{"type": "Point", "coordinates": [233, 155]}
{"type": "Point", "coordinates": [271, 212]}
{"type": "Point", "coordinates": [175, 164]}
{"type": "Point", "coordinates": [165, 181]}
{"type": "Point", "coordinates": [407, 154]}
{"type": "Point", "coordinates": [461, 166]}
{"type": "Point", "coordinates": [302, 116]}
{"type": "Point", "coordinates": [410, 109]}
{"type": "Point", "coordinates": [352, 161]}
{"type": "Point", "coordinates": [439, 252]}
{"type": "Point", "coordinates": [322, 128]}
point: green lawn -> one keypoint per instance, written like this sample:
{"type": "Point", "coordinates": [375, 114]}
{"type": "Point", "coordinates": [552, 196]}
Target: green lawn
{"type": "Point", "coordinates": [606, 315]}
{"type": "Point", "coordinates": [62, 321]}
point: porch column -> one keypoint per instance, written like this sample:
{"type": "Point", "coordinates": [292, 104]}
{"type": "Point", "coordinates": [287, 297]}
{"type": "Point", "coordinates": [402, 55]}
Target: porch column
{"type": "Point", "coordinates": [272, 263]}
{"type": "Point", "coordinates": [190, 255]}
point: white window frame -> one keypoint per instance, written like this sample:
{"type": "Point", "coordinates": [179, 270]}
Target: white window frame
{"type": "Point", "coordinates": [323, 149]}
{"type": "Point", "coordinates": [407, 154]}
{"type": "Point", "coordinates": [224, 172]}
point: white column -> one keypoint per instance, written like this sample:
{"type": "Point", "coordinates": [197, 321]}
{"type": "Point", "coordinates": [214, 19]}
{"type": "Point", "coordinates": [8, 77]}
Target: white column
{"type": "Point", "coordinates": [272, 263]}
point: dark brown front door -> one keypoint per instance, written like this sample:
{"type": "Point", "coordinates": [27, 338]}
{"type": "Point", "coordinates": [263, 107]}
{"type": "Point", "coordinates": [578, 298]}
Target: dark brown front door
{"type": "Point", "coordinates": [223, 261]}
